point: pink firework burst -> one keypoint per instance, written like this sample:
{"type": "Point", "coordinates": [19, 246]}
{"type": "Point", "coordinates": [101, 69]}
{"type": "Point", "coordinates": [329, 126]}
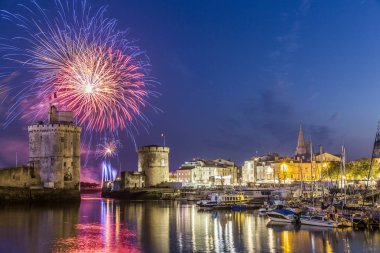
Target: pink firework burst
{"type": "Point", "coordinates": [81, 63]}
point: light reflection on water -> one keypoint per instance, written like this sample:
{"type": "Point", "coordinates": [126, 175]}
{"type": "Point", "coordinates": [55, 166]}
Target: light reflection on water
{"type": "Point", "coordinates": [101, 225]}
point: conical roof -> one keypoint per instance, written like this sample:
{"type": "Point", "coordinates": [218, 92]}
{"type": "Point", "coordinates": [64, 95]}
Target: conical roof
{"type": "Point", "coordinates": [301, 148]}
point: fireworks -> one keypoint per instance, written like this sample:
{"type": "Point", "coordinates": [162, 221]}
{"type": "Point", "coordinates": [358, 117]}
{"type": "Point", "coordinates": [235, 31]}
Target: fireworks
{"type": "Point", "coordinates": [80, 63]}
{"type": "Point", "coordinates": [108, 149]}
{"type": "Point", "coordinates": [75, 58]}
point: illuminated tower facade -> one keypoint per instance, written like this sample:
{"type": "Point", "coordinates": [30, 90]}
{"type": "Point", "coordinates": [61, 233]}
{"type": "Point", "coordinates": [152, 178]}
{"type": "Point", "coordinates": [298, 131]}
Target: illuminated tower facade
{"type": "Point", "coordinates": [153, 161]}
{"type": "Point", "coordinates": [54, 148]}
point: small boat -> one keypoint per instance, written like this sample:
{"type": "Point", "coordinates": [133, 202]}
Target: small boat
{"type": "Point", "coordinates": [283, 215]}
{"type": "Point", "coordinates": [222, 201]}
{"type": "Point", "coordinates": [359, 221]}
{"type": "Point", "coordinates": [344, 223]}
{"type": "Point", "coordinates": [318, 220]}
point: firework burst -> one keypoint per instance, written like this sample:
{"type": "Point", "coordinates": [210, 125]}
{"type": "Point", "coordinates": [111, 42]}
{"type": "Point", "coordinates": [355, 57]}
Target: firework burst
{"type": "Point", "coordinates": [81, 63]}
{"type": "Point", "coordinates": [108, 149]}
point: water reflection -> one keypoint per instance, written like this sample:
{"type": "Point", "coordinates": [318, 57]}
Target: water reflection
{"type": "Point", "coordinates": [112, 226]}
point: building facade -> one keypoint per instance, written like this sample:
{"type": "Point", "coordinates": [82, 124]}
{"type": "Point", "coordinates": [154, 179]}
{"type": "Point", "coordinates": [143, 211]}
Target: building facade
{"type": "Point", "coordinates": [260, 169]}
{"type": "Point", "coordinates": [208, 172]}
{"type": "Point", "coordinates": [131, 180]}
{"type": "Point", "coordinates": [248, 172]}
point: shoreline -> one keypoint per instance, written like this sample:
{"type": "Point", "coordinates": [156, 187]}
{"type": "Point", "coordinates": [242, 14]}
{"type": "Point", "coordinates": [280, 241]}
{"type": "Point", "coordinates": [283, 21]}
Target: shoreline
{"type": "Point", "coordinates": [138, 194]}
{"type": "Point", "coordinates": [41, 196]}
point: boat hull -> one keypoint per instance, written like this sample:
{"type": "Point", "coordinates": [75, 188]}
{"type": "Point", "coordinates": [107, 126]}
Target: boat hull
{"type": "Point", "coordinates": [279, 216]}
{"type": "Point", "coordinates": [318, 223]}
{"type": "Point", "coordinates": [281, 220]}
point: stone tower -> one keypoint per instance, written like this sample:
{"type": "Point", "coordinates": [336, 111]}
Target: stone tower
{"type": "Point", "coordinates": [54, 148]}
{"type": "Point", "coordinates": [301, 148]}
{"type": "Point", "coordinates": [153, 161]}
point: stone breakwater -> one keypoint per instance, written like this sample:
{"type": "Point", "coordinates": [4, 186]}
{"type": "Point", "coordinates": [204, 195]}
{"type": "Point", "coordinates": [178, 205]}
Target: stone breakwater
{"type": "Point", "coordinates": [27, 195]}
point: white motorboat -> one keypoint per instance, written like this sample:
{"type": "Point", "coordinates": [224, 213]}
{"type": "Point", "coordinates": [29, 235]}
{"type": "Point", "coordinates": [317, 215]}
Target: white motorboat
{"type": "Point", "coordinates": [283, 215]}
{"type": "Point", "coordinates": [318, 220]}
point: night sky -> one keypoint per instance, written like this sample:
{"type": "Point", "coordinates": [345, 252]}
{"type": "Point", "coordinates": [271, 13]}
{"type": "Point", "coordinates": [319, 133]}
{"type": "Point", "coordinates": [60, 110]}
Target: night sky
{"type": "Point", "coordinates": [238, 77]}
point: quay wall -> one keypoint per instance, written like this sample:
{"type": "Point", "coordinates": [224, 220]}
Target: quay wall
{"type": "Point", "coordinates": [20, 177]}
{"type": "Point", "coordinates": [39, 195]}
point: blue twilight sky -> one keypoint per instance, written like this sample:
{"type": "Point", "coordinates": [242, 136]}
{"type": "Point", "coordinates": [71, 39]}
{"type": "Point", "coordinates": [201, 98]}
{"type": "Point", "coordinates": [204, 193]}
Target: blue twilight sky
{"type": "Point", "coordinates": [238, 77]}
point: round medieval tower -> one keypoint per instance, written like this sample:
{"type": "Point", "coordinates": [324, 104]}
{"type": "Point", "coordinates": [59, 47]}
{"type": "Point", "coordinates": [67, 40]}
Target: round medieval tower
{"type": "Point", "coordinates": [153, 161]}
{"type": "Point", "coordinates": [54, 148]}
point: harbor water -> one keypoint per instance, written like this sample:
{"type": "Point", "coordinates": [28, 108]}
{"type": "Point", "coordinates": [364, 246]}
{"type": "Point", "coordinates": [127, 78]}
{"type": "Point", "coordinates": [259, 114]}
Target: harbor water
{"type": "Point", "coordinates": [106, 225]}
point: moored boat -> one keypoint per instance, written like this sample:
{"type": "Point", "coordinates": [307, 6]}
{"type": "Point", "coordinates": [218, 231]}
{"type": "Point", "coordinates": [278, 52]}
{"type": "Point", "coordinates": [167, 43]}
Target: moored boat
{"type": "Point", "coordinates": [222, 200]}
{"type": "Point", "coordinates": [318, 220]}
{"type": "Point", "coordinates": [359, 221]}
{"type": "Point", "coordinates": [283, 215]}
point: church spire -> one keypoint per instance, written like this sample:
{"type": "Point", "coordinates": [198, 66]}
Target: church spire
{"type": "Point", "coordinates": [301, 148]}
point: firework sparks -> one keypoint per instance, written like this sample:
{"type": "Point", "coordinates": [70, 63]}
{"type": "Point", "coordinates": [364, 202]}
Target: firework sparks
{"type": "Point", "coordinates": [81, 63]}
{"type": "Point", "coordinates": [108, 149]}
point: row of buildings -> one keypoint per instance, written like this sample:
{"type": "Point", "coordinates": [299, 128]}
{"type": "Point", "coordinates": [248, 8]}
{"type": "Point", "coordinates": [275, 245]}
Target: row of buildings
{"type": "Point", "coordinates": [270, 168]}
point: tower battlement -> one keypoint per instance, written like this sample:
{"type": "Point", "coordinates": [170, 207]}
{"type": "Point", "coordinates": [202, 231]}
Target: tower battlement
{"type": "Point", "coordinates": [53, 127]}
{"type": "Point", "coordinates": [154, 148]}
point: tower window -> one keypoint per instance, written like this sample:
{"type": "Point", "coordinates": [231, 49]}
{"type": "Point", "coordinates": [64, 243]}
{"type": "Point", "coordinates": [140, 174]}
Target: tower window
{"type": "Point", "coordinates": [162, 162]}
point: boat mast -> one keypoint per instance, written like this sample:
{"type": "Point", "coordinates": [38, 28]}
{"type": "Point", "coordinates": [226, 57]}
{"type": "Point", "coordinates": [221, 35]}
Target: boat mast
{"type": "Point", "coordinates": [320, 172]}
{"type": "Point", "coordinates": [300, 168]}
{"type": "Point", "coordinates": [374, 153]}
{"type": "Point", "coordinates": [311, 171]}
{"type": "Point", "coordinates": [344, 172]}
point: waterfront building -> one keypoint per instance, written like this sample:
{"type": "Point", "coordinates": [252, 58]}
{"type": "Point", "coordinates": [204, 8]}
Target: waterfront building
{"type": "Point", "coordinates": [208, 172]}
{"type": "Point", "coordinates": [132, 179]}
{"type": "Point", "coordinates": [184, 173]}
{"type": "Point", "coordinates": [259, 169]}
{"type": "Point", "coordinates": [54, 155]}
{"type": "Point", "coordinates": [272, 168]}
{"type": "Point", "coordinates": [173, 177]}
{"type": "Point", "coordinates": [292, 170]}
{"type": "Point", "coordinates": [248, 172]}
